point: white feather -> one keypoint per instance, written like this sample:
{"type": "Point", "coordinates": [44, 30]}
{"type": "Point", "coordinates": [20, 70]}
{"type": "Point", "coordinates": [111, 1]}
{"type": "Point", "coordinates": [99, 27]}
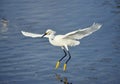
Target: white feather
{"type": "Point", "coordinates": [33, 35]}
{"type": "Point", "coordinates": [80, 33]}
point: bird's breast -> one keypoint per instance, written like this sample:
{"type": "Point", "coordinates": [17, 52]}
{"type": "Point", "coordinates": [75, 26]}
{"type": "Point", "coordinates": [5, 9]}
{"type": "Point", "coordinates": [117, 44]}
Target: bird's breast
{"type": "Point", "coordinates": [57, 41]}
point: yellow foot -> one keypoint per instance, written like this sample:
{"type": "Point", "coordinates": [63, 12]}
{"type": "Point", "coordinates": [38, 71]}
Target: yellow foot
{"type": "Point", "coordinates": [57, 64]}
{"type": "Point", "coordinates": [65, 66]}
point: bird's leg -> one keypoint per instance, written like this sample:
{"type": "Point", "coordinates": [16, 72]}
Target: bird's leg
{"type": "Point", "coordinates": [58, 62]}
{"type": "Point", "coordinates": [65, 65]}
{"type": "Point", "coordinates": [64, 55]}
{"type": "Point", "coordinates": [69, 57]}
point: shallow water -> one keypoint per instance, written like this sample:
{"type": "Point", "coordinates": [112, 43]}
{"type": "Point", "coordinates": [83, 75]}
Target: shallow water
{"type": "Point", "coordinates": [26, 60]}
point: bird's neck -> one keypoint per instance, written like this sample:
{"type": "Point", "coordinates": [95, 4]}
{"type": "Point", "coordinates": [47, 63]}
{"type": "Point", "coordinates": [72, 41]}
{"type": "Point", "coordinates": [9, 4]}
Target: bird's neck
{"type": "Point", "coordinates": [51, 39]}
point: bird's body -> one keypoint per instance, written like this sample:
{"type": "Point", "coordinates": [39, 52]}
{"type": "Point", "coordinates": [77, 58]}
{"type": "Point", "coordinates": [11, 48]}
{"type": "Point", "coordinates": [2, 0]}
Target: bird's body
{"type": "Point", "coordinates": [59, 40]}
{"type": "Point", "coordinates": [63, 41]}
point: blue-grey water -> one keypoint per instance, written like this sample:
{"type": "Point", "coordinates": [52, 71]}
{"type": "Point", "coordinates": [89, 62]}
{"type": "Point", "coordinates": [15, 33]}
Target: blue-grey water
{"type": "Point", "coordinates": [25, 60]}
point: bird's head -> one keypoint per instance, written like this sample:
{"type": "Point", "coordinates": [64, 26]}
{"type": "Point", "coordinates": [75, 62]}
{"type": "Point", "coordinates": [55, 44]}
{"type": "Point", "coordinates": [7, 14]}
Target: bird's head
{"type": "Point", "coordinates": [49, 32]}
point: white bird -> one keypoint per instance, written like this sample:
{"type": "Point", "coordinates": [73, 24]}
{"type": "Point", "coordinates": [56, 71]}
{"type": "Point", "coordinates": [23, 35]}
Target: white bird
{"type": "Point", "coordinates": [63, 41]}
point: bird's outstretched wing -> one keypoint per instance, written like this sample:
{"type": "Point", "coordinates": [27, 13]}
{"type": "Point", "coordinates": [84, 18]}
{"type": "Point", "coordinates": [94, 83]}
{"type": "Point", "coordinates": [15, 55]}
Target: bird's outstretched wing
{"type": "Point", "coordinates": [80, 33]}
{"type": "Point", "coordinates": [33, 35]}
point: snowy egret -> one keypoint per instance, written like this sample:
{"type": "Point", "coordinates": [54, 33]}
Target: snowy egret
{"type": "Point", "coordinates": [63, 41]}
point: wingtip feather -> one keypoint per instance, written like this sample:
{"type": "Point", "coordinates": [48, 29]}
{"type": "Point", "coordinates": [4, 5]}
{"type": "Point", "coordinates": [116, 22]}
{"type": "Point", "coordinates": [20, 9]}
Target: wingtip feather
{"type": "Point", "coordinates": [98, 25]}
{"type": "Point", "coordinates": [23, 33]}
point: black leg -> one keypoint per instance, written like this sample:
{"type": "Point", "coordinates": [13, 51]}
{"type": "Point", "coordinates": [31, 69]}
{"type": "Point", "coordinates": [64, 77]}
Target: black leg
{"type": "Point", "coordinates": [65, 65]}
{"type": "Point", "coordinates": [68, 58]}
{"type": "Point", "coordinates": [64, 55]}
{"type": "Point", "coordinates": [58, 62]}
{"type": "Point", "coordinates": [65, 48]}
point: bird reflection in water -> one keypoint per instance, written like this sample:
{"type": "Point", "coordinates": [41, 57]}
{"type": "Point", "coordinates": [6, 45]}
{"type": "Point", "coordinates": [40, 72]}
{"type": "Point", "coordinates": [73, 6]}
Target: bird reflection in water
{"type": "Point", "coordinates": [4, 22]}
{"type": "Point", "coordinates": [64, 80]}
{"type": "Point", "coordinates": [4, 27]}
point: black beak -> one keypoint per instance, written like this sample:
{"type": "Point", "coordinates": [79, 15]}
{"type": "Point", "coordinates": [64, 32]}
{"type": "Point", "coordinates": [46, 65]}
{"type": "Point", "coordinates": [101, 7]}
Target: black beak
{"type": "Point", "coordinates": [44, 35]}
